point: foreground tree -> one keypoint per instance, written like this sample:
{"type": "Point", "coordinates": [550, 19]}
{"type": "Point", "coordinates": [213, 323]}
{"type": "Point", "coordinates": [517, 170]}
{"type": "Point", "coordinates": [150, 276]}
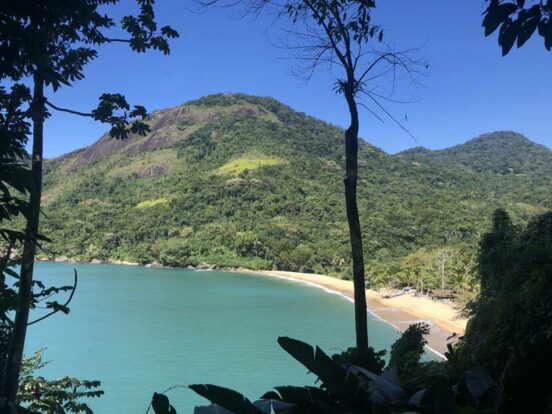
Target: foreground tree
{"type": "Point", "coordinates": [39, 394]}
{"type": "Point", "coordinates": [510, 331]}
{"type": "Point", "coordinates": [340, 34]}
{"type": "Point", "coordinates": [15, 185]}
{"type": "Point", "coordinates": [63, 395]}
{"type": "Point", "coordinates": [47, 44]}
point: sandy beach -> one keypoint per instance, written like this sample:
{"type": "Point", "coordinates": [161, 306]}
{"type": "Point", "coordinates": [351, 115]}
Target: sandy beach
{"type": "Point", "coordinates": [400, 311]}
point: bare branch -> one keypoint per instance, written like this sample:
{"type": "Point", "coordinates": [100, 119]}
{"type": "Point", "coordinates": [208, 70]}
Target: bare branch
{"type": "Point", "coordinates": [337, 33]}
{"type": "Point", "coordinates": [390, 115]}
{"type": "Point", "coordinates": [67, 302]}
{"type": "Point", "coordinates": [110, 40]}
{"type": "Point", "coordinates": [373, 64]}
{"type": "Point", "coordinates": [372, 112]}
{"type": "Point", "coordinates": [71, 111]}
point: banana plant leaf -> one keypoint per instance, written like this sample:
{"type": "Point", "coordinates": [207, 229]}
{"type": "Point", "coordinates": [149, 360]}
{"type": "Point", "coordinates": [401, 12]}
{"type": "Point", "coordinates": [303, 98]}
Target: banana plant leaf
{"type": "Point", "coordinates": [300, 396]}
{"type": "Point", "coordinates": [275, 406]}
{"type": "Point", "coordinates": [333, 376]}
{"type": "Point", "coordinates": [416, 398]}
{"type": "Point", "coordinates": [439, 397]}
{"type": "Point", "coordinates": [306, 399]}
{"type": "Point", "coordinates": [391, 375]}
{"type": "Point", "coordinates": [161, 405]}
{"type": "Point", "coordinates": [478, 381]}
{"type": "Point", "coordinates": [229, 399]}
{"type": "Point", "coordinates": [266, 406]}
{"type": "Point", "coordinates": [211, 409]}
{"type": "Point", "coordinates": [380, 388]}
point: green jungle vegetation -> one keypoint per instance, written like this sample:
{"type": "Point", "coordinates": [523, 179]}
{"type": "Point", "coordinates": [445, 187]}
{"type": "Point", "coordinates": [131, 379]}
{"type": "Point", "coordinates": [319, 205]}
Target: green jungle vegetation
{"type": "Point", "coordinates": [237, 180]}
{"type": "Point", "coordinates": [498, 366]}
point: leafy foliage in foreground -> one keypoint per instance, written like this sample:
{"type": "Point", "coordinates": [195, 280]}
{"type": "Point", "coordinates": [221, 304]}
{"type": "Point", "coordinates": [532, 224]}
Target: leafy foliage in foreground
{"type": "Point", "coordinates": [62, 395]}
{"type": "Point", "coordinates": [518, 21]}
{"type": "Point", "coordinates": [36, 394]}
{"type": "Point", "coordinates": [354, 389]}
{"type": "Point", "coordinates": [176, 197]}
{"type": "Point", "coordinates": [510, 332]}
{"type": "Point", "coordinates": [500, 366]}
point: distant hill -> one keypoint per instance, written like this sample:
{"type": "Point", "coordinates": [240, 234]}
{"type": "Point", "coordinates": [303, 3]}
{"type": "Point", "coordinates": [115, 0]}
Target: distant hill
{"type": "Point", "coordinates": [503, 152]}
{"type": "Point", "coordinates": [239, 180]}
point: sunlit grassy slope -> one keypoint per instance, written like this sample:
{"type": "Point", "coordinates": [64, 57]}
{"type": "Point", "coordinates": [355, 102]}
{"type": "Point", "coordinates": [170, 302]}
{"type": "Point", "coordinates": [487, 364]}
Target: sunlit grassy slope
{"type": "Point", "coordinates": [246, 163]}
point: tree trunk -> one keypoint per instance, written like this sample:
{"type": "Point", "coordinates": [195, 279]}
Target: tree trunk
{"type": "Point", "coordinates": [350, 181]}
{"type": "Point", "coordinates": [15, 354]}
{"type": "Point", "coordinates": [443, 275]}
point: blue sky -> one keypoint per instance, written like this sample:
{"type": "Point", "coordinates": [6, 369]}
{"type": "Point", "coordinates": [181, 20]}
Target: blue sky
{"type": "Point", "coordinates": [470, 89]}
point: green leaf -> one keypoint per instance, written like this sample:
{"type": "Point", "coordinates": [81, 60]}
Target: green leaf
{"type": "Point", "coordinates": [545, 30]}
{"type": "Point", "coordinates": [160, 404]}
{"type": "Point", "coordinates": [381, 389]}
{"type": "Point", "coordinates": [211, 409]}
{"type": "Point", "coordinates": [508, 35]}
{"type": "Point", "coordinates": [275, 406]}
{"type": "Point", "coordinates": [478, 381]}
{"type": "Point", "coordinates": [301, 396]}
{"type": "Point", "coordinates": [439, 397]}
{"type": "Point", "coordinates": [226, 398]}
{"type": "Point", "coordinates": [529, 25]}
{"type": "Point", "coordinates": [497, 14]}
{"type": "Point", "coordinates": [333, 375]}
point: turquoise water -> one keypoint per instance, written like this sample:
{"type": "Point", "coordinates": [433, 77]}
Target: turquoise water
{"type": "Point", "coordinates": [141, 330]}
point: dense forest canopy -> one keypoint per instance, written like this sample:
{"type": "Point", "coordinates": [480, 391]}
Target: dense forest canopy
{"type": "Point", "coordinates": [236, 180]}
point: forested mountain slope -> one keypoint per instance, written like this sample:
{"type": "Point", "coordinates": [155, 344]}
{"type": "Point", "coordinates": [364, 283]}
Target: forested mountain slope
{"type": "Point", "coordinates": [241, 180]}
{"type": "Point", "coordinates": [505, 153]}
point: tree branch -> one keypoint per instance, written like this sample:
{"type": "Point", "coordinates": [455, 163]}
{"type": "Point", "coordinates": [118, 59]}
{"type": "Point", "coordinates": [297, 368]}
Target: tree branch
{"type": "Point", "coordinates": [372, 112]}
{"type": "Point", "coordinates": [71, 111]}
{"type": "Point", "coordinates": [328, 33]}
{"type": "Point", "coordinates": [374, 63]}
{"type": "Point", "coordinates": [346, 39]}
{"type": "Point", "coordinates": [109, 40]}
{"type": "Point", "coordinates": [395, 120]}
{"type": "Point", "coordinates": [64, 305]}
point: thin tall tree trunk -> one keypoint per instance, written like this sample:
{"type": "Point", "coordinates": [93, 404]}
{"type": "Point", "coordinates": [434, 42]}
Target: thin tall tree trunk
{"type": "Point", "coordinates": [15, 353]}
{"type": "Point", "coordinates": [350, 181]}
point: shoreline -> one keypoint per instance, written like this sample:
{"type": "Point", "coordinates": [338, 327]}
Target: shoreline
{"type": "Point", "coordinates": [399, 312]}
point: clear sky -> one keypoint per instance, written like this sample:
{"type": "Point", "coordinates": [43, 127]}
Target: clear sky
{"type": "Point", "coordinates": [470, 89]}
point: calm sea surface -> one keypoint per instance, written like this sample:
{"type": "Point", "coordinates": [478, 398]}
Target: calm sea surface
{"type": "Point", "coordinates": [141, 330]}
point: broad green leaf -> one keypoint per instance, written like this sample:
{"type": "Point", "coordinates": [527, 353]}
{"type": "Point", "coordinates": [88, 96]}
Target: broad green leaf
{"type": "Point", "coordinates": [161, 405]}
{"type": "Point", "coordinates": [226, 398]}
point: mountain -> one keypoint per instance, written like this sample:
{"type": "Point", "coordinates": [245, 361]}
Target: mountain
{"type": "Point", "coordinates": [505, 153]}
{"type": "Point", "coordinates": [238, 180]}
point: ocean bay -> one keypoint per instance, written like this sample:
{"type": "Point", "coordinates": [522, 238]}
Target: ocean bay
{"type": "Point", "coordinates": [141, 330]}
